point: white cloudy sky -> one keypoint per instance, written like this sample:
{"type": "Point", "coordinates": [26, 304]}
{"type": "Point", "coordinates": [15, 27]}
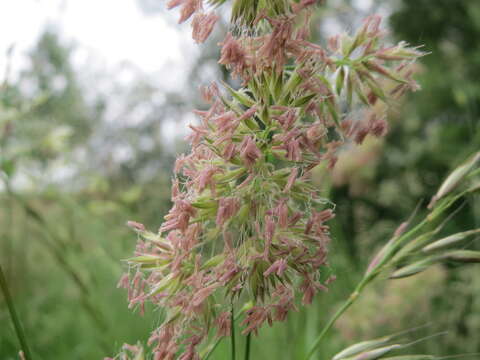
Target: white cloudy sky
{"type": "Point", "coordinates": [113, 31]}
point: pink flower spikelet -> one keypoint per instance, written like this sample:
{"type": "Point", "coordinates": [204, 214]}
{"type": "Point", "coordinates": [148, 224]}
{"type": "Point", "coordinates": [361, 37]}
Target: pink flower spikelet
{"type": "Point", "coordinates": [247, 225]}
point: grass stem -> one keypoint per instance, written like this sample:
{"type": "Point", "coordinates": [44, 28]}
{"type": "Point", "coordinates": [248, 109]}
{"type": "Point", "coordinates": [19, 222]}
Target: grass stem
{"type": "Point", "coordinates": [351, 299]}
{"type": "Point", "coordinates": [15, 319]}
{"type": "Point", "coordinates": [247, 346]}
{"type": "Point", "coordinates": [232, 334]}
{"type": "Point", "coordinates": [210, 349]}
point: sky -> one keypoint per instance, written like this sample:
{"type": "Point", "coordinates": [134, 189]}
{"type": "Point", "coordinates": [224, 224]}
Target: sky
{"type": "Point", "coordinates": [112, 31]}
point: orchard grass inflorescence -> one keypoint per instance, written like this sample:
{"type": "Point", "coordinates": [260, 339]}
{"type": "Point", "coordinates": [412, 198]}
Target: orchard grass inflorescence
{"type": "Point", "coordinates": [248, 232]}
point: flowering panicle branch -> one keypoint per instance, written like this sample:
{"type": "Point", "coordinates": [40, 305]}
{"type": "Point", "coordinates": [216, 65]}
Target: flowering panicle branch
{"type": "Point", "coordinates": [247, 227]}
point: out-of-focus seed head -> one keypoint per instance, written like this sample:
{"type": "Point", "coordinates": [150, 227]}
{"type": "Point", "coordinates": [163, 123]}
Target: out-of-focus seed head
{"type": "Point", "coordinates": [455, 178]}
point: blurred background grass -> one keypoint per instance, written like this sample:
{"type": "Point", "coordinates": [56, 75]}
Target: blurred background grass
{"type": "Point", "coordinates": [82, 152]}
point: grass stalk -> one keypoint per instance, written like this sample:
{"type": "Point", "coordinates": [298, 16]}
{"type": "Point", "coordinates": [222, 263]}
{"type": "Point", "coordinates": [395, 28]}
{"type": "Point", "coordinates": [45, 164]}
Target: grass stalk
{"type": "Point", "coordinates": [346, 305]}
{"type": "Point", "coordinates": [247, 346]}
{"type": "Point", "coordinates": [232, 335]}
{"type": "Point", "coordinates": [210, 349]}
{"type": "Point", "coordinates": [15, 319]}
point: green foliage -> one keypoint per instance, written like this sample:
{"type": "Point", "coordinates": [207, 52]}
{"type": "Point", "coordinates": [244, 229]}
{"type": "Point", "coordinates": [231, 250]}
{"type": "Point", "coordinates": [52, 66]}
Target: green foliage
{"type": "Point", "coordinates": [60, 244]}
